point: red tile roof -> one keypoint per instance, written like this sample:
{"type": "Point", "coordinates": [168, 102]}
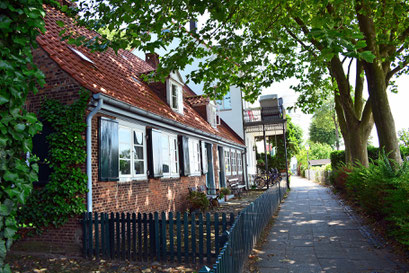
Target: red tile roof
{"type": "Point", "coordinates": [197, 100]}
{"type": "Point", "coordinates": [116, 75]}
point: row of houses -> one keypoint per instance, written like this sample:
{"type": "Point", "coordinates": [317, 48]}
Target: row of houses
{"type": "Point", "coordinates": [147, 143]}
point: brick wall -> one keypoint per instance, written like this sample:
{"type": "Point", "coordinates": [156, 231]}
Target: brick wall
{"type": "Point", "coordinates": [166, 194]}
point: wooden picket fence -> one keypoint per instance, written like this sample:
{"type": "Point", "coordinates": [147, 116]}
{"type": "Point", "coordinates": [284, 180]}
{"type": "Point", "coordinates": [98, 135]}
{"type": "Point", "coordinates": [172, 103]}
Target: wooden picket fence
{"type": "Point", "coordinates": [168, 237]}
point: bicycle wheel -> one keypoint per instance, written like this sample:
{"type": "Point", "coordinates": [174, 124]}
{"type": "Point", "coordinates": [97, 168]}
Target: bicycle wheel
{"type": "Point", "coordinates": [260, 182]}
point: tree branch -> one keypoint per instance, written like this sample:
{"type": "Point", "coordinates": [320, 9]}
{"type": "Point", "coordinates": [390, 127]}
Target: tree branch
{"type": "Point", "coordinates": [299, 41]}
{"type": "Point", "coordinates": [396, 70]}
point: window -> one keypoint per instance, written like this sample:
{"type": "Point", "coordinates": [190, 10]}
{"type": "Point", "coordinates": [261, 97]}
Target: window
{"type": "Point", "coordinates": [174, 95]}
{"type": "Point", "coordinates": [225, 103]}
{"type": "Point", "coordinates": [233, 162]}
{"type": "Point", "coordinates": [239, 163]}
{"type": "Point", "coordinates": [170, 157]}
{"type": "Point", "coordinates": [211, 115]}
{"type": "Point", "coordinates": [227, 161]}
{"type": "Point", "coordinates": [194, 155]}
{"type": "Point", "coordinates": [132, 152]}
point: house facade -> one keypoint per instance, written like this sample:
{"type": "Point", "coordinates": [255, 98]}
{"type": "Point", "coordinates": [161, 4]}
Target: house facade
{"type": "Point", "coordinates": [147, 143]}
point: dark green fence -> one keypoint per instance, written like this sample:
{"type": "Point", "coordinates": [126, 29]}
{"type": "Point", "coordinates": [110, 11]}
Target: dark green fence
{"type": "Point", "coordinates": [190, 238]}
{"type": "Point", "coordinates": [246, 230]}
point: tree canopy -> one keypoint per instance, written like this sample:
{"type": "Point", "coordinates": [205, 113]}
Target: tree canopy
{"type": "Point", "coordinates": [251, 44]}
{"type": "Point", "coordinates": [324, 126]}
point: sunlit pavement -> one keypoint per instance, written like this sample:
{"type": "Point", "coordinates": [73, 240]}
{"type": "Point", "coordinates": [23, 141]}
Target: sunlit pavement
{"type": "Point", "coordinates": [314, 234]}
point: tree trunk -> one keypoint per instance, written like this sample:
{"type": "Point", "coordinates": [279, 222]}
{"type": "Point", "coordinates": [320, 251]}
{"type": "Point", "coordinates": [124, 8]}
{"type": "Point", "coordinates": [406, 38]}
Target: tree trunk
{"type": "Point", "coordinates": [385, 124]}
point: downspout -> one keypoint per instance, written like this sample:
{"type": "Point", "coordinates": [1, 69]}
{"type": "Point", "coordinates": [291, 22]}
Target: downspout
{"type": "Point", "coordinates": [89, 149]}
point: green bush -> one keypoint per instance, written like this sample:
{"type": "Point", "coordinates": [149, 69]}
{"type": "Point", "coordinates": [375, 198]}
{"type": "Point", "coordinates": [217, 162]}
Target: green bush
{"type": "Point", "coordinates": [383, 192]}
{"type": "Point", "coordinates": [198, 200]}
{"type": "Point", "coordinates": [224, 192]}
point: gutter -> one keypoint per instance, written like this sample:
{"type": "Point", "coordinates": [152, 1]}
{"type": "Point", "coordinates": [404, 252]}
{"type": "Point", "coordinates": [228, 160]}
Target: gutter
{"type": "Point", "coordinates": [89, 149]}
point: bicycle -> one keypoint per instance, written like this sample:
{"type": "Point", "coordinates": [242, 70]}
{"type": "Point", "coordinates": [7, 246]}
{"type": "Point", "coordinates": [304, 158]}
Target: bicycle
{"type": "Point", "coordinates": [261, 181]}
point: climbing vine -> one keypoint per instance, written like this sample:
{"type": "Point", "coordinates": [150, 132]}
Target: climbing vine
{"type": "Point", "coordinates": [20, 22]}
{"type": "Point", "coordinates": [63, 195]}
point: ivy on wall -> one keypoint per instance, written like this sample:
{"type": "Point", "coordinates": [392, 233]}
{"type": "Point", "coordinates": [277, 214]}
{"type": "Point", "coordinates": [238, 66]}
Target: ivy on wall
{"type": "Point", "coordinates": [64, 194]}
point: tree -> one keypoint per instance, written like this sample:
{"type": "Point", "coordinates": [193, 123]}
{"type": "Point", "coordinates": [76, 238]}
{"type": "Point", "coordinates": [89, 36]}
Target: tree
{"type": "Point", "coordinates": [324, 126]}
{"type": "Point", "coordinates": [251, 44]}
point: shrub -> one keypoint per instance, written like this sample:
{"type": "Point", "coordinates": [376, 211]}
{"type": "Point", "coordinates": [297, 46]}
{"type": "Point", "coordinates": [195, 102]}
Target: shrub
{"type": "Point", "coordinates": [382, 190]}
{"type": "Point", "coordinates": [198, 200]}
{"type": "Point", "coordinates": [339, 177]}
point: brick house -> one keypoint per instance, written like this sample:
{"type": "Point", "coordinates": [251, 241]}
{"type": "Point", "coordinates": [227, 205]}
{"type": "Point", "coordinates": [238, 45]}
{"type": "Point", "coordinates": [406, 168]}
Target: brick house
{"type": "Point", "coordinates": [146, 143]}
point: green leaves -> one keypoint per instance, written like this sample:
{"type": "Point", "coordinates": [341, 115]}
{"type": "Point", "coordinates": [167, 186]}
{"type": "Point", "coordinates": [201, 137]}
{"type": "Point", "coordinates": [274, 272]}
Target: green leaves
{"type": "Point", "coordinates": [368, 56]}
{"type": "Point", "coordinates": [19, 25]}
{"type": "Point", "coordinates": [63, 195]}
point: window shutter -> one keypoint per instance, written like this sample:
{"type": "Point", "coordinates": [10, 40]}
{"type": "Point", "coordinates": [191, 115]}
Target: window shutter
{"type": "Point", "coordinates": [184, 155]}
{"type": "Point", "coordinates": [204, 157]}
{"type": "Point", "coordinates": [155, 165]}
{"type": "Point", "coordinates": [108, 169]}
{"type": "Point", "coordinates": [222, 169]}
{"type": "Point", "coordinates": [40, 149]}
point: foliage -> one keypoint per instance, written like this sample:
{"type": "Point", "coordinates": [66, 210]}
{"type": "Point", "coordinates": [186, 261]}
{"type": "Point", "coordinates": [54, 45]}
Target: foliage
{"type": "Point", "coordinates": [198, 200]}
{"type": "Point", "coordinates": [383, 192]}
{"type": "Point", "coordinates": [20, 23]}
{"type": "Point", "coordinates": [293, 138]}
{"type": "Point", "coordinates": [322, 127]}
{"type": "Point", "coordinates": [338, 157]}
{"type": "Point", "coordinates": [404, 137]}
{"type": "Point", "coordinates": [63, 195]}
{"type": "Point", "coordinates": [316, 151]}
{"type": "Point", "coordinates": [224, 192]}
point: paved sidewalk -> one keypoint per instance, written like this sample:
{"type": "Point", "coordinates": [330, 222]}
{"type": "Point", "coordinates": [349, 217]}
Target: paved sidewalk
{"type": "Point", "coordinates": [313, 234]}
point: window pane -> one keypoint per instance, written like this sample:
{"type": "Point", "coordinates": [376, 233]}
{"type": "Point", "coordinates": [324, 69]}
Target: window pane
{"type": "Point", "coordinates": [124, 135]}
{"type": "Point", "coordinates": [227, 101]}
{"type": "Point", "coordinates": [124, 151]}
{"type": "Point", "coordinates": [138, 138]}
{"type": "Point", "coordinates": [138, 152]}
{"type": "Point", "coordinates": [124, 167]}
{"type": "Point", "coordinates": [174, 96]}
{"type": "Point", "coordinates": [165, 153]}
{"type": "Point", "coordinates": [139, 167]}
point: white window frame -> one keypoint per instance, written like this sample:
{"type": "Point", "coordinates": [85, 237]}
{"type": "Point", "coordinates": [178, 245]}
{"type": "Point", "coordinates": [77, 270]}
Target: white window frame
{"type": "Point", "coordinates": [227, 161]}
{"type": "Point", "coordinates": [233, 162]}
{"type": "Point", "coordinates": [172, 151]}
{"type": "Point", "coordinates": [194, 157]}
{"type": "Point", "coordinates": [141, 129]}
{"type": "Point", "coordinates": [212, 114]}
{"type": "Point", "coordinates": [239, 162]}
{"type": "Point", "coordinates": [179, 95]}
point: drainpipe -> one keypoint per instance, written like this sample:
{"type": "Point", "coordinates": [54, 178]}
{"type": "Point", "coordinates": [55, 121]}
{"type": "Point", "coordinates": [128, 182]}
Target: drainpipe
{"type": "Point", "coordinates": [89, 149]}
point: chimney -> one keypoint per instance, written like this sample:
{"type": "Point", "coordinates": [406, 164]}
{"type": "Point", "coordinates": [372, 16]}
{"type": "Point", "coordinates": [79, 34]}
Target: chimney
{"type": "Point", "coordinates": [193, 26]}
{"type": "Point", "coordinates": [152, 59]}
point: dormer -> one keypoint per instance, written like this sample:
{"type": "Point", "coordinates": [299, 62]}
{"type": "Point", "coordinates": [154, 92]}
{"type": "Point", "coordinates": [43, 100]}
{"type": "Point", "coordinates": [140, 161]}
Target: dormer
{"type": "Point", "coordinates": [174, 92]}
{"type": "Point", "coordinates": [205, 107]}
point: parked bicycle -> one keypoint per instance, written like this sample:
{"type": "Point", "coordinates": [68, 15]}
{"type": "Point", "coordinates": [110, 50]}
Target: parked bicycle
{"type": "Point", "coordinates": [261, 181]}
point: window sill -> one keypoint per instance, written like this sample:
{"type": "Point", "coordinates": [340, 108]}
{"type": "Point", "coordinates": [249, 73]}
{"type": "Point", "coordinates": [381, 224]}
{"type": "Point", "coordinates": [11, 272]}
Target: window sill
{"type": "Point", "coordinates": [195, 174]}
{"type": "Point", "coordinates": [170, 178]}
{"type": "Point", "coordinates": [130, 179]}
